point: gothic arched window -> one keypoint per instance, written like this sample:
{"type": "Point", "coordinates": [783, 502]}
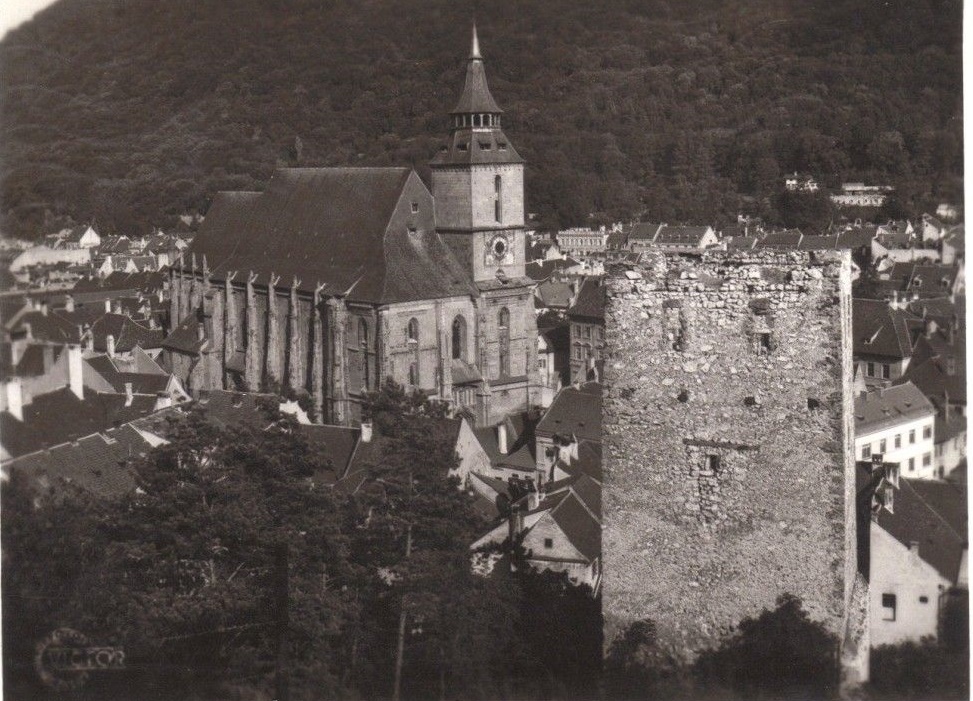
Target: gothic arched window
{"type": "Point", "coordinates": [503, 332]}
{"type": "Point", "coordinates": [363, 345]}
{"type": "Point", "coordinates": [497, 192]}
{"type": "Point", "coordinates": [459, 337]}
{"type": "Point", "coordinates": [412, 334]}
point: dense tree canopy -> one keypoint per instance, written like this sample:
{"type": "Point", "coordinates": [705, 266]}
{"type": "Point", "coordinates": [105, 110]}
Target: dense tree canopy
{"type": "Point", "coordinates": [185, 574]}
{"type": "Point", "coordinates": [129, 113]}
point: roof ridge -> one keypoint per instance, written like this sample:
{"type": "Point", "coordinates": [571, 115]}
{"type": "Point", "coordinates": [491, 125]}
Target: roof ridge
{"type": "Point", "coordinates": [931, 508]}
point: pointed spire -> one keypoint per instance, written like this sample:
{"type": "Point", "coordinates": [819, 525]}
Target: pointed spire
{"type": "Point", "coordinates": [475, 49]}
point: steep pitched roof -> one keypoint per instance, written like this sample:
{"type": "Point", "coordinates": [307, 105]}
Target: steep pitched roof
{"type": "Point", "coordinates": [644, 231]}
{"type": "Point", "coordinates": [591, 300]}
{"type": "Point", "coordinates": [580, 527]}
{"type": "Point", "coordinates": [890, 406]}
{"type": "Point", "coordinates": [681, 235]}
{"type": "Point", "coordinates": [932, 515]}
{"type": "Point", "coordinates": [476, 95]}
{"type": "Point", "coordinates": [880, 330]}
{"type": "Point", "coordinates": [334, 226]}
{"type": "Point", "coordinates": [574, 411]}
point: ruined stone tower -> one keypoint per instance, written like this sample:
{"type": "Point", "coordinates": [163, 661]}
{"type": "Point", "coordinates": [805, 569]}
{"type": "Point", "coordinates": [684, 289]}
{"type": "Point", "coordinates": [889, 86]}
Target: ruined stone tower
{"type": "Point", "coordinates": [729, 474]}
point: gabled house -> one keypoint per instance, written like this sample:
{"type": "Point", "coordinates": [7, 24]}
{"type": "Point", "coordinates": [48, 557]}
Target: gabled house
{"type": "Point", "coordinates": [881, 342]}
{"type": "Point", "coordinates": [574, 416]}
{"type": "Point", "coordinates": [587, 317]}
{"type": "Point", "coordinates": [918, 558]}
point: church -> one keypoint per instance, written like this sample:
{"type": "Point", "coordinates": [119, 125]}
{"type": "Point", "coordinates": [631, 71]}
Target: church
{"type": "Point", "coordinates": [333, 279]}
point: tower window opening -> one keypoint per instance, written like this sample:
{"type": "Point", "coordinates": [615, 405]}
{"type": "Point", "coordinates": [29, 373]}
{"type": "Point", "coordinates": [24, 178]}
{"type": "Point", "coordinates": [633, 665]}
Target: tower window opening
{"type": "Point", "coordinates": [497, 194]}
{"type": "Point", "coordinates": [503, 322]}
{"type": "Point", "coordinates": [412, 331]}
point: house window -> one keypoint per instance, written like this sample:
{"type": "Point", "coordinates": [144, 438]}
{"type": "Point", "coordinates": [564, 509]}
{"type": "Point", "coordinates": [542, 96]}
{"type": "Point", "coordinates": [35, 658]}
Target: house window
{"type": "Point", "coordinates": [927, 432]}
{"type": "Point", "coordinates": [923, 599]}
{"type": "Point", "coordinates": [898, 440]}
{"type": "Point", "coordinates": [412, 336]}
{"type": "Point", "coordinates": [912, 464]}
{"type": "Point", "coordinates": [912, 436]}
{"type": "Point", "coordinates": [497, 193]}
{"type": "Point", "coordinates": [713, 463]}
{"type": "Point", "coordinates": [927, 460]}
{"type": "Point", "coordinates": [415, 207]}
{"type": "Point", "coordinates": [414, 374]}
{"type": "Point", "coordinates": [870, 369]}
{"type": "Point", "coordinates": [542, 363]}
{"type": "Point", "coordinates": [548, 543]}
{"type": "Point", "coordinates": [412, 331]}
{"type": "Point", "coordinates": [886, 371]}
{"type": "Point", "coordinates": [459, 337]}
{"type": "Point", "coordinates": [881, 447]}
{"type": "Point", "coordinates": [888, 607]}
{"type": "Point", "coordinates": [867, 451]}
{"type": "Point", "coordinates": [503, 323]}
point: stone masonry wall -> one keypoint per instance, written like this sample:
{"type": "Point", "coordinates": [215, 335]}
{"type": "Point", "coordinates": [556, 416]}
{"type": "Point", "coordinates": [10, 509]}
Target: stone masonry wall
{"type": "Point", "coordinates": [728, 479]}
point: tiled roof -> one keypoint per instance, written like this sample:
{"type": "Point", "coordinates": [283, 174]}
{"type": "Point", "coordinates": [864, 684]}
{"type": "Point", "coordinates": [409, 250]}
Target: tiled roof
{"type": "Point", "coordinates": [332, 226]}
{"type": "Point", "coordinates": [476, 95]}
{"type": "Point", "coordinates": [818, 243]}
{"type": "Point", "coordinates": [587, 463]}
{"type": "Point", "coordinates": [947, 430]}
{"type": "Point", "coordinates": [591, 300]}
{"type": "Point", "coordinates": [185, 337]}
{"type": "Point", "coordinates": [856, 237]}
{"type": "Point", "coordinates": [59, 416]}
{"type": "Point", "coordinates": [142, 382]}
{"type": "Point", "coordinates": [644, 231]}
{"type": "Point", "coordinates": [890, 406]}
{"type": "Point", "coordinates": [880, 330]}
{"type": "Point", "coordinates": [555, 294]}
{"type": "Point", "coordinates": [99, 463]}
{"type": "Point", "coordinates": [540, 271]}
{"type": "Point", "coordinates": [465, 147]}
{"type": "Point", "coordinates": [574, 411]}
{"type": "Point", "coordinates": [933, 515]}
{"type": "Point", "coordinates": [789, 240]}
{"type": "Point", "coordinates": [579, 526]}
{"type": "Point", "coordinates": [681, 235]}
{"type": "Point", "coordinates": [520, 456]}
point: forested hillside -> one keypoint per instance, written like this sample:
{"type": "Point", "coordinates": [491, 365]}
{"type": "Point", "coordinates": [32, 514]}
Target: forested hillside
{"type": "Point", "coordinates": [130, 112]}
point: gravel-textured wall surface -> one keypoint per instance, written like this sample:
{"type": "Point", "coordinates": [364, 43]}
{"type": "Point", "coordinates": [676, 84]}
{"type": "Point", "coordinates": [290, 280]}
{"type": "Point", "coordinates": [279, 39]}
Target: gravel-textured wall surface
{"type": "Point", "coordinates": [728, 471]}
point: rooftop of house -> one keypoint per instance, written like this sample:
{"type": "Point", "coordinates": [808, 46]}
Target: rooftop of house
{"type": "Point", "coordinates": [931, 516]}
{"type": "Point", "coordinates": [890, 406]}
{"type": "Point", "coordinates": [555, 294]}
{"type": "Point", "coordinates": [590, 302]}
{"type": "Point", "coordinates": [60, 416]}
{"type": "Point", "coordinates": [539, 271]}
{"type": "Point", "coordinates": [575, 411]}
{"type": "Point", "coordinates": [644, 231]}
{"type": "Point", "coordinates": [880, 330]}
{"type": "Point", "coordinates": [681, 235]}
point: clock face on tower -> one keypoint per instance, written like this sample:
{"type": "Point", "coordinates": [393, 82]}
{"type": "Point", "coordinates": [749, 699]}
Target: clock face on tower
{"type": "Point", "coordinates": [498, 250]}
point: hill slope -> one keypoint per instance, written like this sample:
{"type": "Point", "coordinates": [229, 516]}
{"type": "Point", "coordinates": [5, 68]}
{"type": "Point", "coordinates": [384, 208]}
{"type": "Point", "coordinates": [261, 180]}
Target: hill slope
{"type": "Point", "coordinates": [130, 112]}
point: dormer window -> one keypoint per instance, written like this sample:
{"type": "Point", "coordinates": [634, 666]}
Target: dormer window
{"type": "Point", "coordinates": [462, 147]}
{"type": "Point", "coordinates": [415, 207]}
{"type": "Point", "coordinates": [485, 146]}
{"type": "Point", "coordinates": [502, 145]}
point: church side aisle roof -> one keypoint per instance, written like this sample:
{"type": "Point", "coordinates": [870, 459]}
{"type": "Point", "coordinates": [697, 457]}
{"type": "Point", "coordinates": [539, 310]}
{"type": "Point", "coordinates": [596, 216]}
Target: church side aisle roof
{"type": "Point", "coordinates": [339, 226]}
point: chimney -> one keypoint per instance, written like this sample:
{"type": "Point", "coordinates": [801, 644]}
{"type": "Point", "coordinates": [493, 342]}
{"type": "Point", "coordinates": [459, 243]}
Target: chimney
{"type": "Point", "coordinates": [129, 397]}
{"type": "Point", "coordinates": [69, 303]}
{"type": "Point", "coordinates": [200, 332]}
{"type": "Point", "coordinates": [43, 307]}
{"type": "Point", "coordinates": [502, 437]}
{"type": "Point", "coordinates": [15, 398]}
{"type": "Point", "coordinates": [930, 328]}
{"type": "Point", "coordinates": [110, 345]}
{"type": "Point", "coordinates": [366, 431]}
{"type": "Point", "coordinates": [117, 307]}
{"type": "Point", "coordinates": [48, 351]}
{"type": "Point", "coordinates": [516, 522]}
{"type": "Point", "coordinates": [75, 371]}
{"type": "Point", "coordinates": [914, 547]}
{"type": "Point", "coordinates": [107, 306]}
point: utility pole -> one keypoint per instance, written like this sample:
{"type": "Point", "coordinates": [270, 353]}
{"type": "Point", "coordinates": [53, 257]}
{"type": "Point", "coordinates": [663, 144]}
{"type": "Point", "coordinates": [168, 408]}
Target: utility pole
{"type": "Point", "coordinates": [282, 600]}
{"type": "Point", "coordinates": [400, 645]}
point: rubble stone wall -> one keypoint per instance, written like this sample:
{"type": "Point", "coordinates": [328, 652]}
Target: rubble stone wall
{"type": "Point", "coordinates": [729, 477]}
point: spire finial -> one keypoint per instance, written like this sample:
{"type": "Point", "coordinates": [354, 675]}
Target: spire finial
{"type": "Point", "coordinates": [475, 49]}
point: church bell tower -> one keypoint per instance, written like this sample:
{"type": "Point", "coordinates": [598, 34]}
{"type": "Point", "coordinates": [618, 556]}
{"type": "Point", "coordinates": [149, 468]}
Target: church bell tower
{"type": "Point", "coordinates": [478, 183]}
